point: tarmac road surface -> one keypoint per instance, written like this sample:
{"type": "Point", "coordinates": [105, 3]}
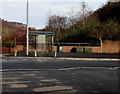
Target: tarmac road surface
{"type": "Point", "coordinates": [54, 64]}
{"type": "Point", "coordinates": [63, 76]}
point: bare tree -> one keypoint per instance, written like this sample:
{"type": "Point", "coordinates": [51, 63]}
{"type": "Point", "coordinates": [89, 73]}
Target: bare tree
{"type": "Point", "coordinates": [72, 19]}
{"type": "Point", "coordinates": [56, 24]}
{"type": "Point", "coordinates": [85, 11]}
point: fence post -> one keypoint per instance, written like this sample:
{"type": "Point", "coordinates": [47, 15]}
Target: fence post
{"type": "Point", "coordinates": [35, 53]}
{"type": "Point", "coordinates": [15, 54]}
{"type": "Point", "coordinates": [55, 53]}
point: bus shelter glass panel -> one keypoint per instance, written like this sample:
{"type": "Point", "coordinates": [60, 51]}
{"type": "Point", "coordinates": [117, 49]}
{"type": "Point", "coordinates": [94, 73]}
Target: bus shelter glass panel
{"type": "Point", "coordinates": [49, 42]}
{"type": "Point", "coordinates": [41, 43]}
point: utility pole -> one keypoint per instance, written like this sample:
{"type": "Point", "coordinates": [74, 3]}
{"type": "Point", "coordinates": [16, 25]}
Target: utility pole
{"type": "Point", "coordinates": [27, 35]}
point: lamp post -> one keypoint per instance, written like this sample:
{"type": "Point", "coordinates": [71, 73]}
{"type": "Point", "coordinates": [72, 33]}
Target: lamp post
{"type": "Point", "coordinates": [27, 35]}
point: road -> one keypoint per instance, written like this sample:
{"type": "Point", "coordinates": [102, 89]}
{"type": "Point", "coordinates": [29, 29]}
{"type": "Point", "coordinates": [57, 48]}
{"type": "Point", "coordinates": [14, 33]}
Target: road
{"type": "Point", "coordinates": [51, 76]}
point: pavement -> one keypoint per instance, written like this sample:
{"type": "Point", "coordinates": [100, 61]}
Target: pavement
{"type": "Point", "coordinates": [64, 56]}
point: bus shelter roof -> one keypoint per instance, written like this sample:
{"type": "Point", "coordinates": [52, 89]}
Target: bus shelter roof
{"type": "Point", "coordinates": [40, 33]}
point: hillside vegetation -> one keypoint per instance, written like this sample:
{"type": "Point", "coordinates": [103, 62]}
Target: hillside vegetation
{"type": "Point", "coordinates": [86, 25]}
{"type": "Point", "coordinates": [12, 32]}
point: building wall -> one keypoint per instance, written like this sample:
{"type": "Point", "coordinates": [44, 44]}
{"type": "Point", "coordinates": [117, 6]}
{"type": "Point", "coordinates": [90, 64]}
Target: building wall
{"type": "Point", "coordinates": [108, 47]}
{"type": "Point", "coordinates": [9, 50]}
{"type": "Point", "coordinates": [68, 48]}
{"type": "Point", "coordinates": [54, 48]}
{"type": "Point", "coordinates": [111, 46]}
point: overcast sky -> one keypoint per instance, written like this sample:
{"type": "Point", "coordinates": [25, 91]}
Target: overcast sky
{"type": "Point", "coordinates": [38, 10]}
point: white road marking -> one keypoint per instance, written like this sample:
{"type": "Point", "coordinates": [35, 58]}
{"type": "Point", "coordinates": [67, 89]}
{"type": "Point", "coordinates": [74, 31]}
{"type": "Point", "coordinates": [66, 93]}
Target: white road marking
{"type": "Point", "coordinates": [26, 69]}
{"type": "Point", "coordinates": [72, 68]}
{"type": "Point", "coordinates": [52, 88]}
{"type": "Point", "coordinates": [89, 68]}
{"type": "Point", "coordinates": [18, 86]}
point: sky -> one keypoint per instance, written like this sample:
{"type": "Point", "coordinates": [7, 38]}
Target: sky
{"type": "Point", "coordinates": [12, 10]}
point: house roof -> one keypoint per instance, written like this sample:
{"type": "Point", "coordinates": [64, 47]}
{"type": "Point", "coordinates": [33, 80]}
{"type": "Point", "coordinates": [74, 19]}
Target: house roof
{"type": "Point", "coordinates": [40, 33]}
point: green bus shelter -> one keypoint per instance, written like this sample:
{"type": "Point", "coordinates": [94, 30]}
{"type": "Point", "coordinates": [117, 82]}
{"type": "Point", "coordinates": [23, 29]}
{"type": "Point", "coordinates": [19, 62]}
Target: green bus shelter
{"type": "Point", "coordinates": [41, 41]}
